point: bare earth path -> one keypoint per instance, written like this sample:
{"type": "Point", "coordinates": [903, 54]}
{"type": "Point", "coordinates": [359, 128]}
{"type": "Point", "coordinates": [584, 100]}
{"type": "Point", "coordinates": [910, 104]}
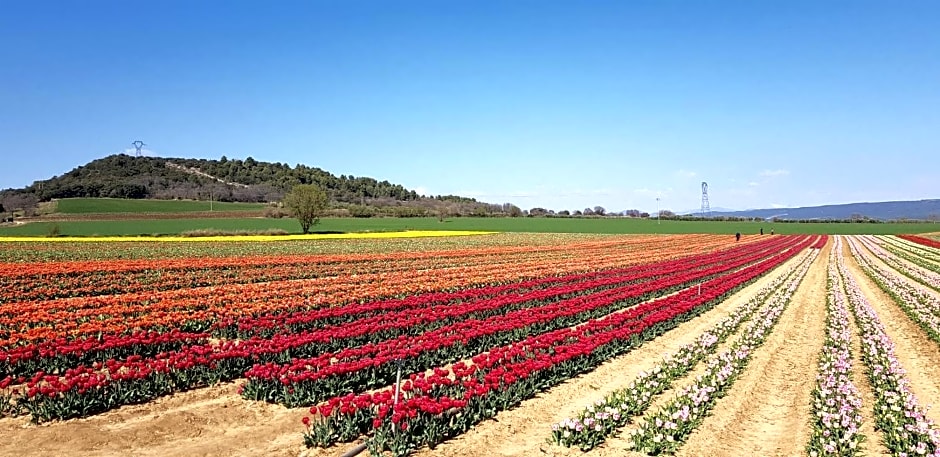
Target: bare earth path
{"type": "Point", "coordinates": [214, 421]}
{"type": "Point", "coordinates": [767, 410]}
{"type": "Point", "coordinates": [523, 431]}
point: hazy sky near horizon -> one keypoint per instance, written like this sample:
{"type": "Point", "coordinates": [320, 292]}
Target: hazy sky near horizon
{"type": "Point", "coordinates": [563, 105]}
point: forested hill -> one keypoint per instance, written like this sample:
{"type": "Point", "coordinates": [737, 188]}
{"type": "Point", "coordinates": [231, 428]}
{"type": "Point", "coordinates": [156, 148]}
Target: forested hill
{"type": "Point", "coordinates": [124, 176]}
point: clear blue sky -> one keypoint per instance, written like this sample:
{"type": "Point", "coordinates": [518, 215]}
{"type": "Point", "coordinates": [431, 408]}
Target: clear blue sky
{"type": "Point", "coordinates": [563, 105]}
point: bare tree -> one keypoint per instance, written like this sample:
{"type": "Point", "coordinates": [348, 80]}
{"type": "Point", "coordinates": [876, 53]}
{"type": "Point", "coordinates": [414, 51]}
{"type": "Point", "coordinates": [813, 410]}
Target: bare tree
{"type": "Point", "coordinates": [27, 203]}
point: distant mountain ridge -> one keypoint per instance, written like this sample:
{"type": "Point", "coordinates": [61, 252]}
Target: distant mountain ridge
{"type": "Point", "coordinates": [893, 210]}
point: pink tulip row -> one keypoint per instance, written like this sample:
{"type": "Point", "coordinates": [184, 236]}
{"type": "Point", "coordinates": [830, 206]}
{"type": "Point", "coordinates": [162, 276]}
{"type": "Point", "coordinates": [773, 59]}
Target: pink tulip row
{"type": "Point", "coordinates": [916, 301]}
{"type": "Point", "coordinates": [904, 427]}
{"type": "Point", "coordinates": [908, 267]}
{"type": "Point", "coordinates": [836, 403]}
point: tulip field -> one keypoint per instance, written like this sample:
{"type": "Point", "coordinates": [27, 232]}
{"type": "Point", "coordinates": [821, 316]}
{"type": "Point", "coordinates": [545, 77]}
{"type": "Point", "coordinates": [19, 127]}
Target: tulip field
{"type": "Point", "coordinates": [489, 344]}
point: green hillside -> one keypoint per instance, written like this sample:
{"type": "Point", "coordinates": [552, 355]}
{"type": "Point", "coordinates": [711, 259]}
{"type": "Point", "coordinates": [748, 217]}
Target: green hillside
{"type": "Point", "coordinates": [124, 176]}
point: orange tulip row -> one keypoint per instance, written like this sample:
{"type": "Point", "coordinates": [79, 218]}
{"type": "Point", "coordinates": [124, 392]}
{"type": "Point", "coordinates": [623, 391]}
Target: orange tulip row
{"type": "Point", "coordinates": [196, 309]}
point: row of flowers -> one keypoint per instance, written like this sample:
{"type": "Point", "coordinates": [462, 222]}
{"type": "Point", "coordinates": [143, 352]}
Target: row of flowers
{"type": "Point", "coordinates": [836, 403]}
{"type": "Point", "coordinates": [74, 279]}
{"type": "Point", "coordinates": [307, 381]}
{"type": "Point", "coordinates": [198, 309]}
{"type": "Point", "coordinates": [665, 430]}
{"type": "Point", "coordinates": [57, 355]}
{"type": "Point", "coordinates": [605, 417]}
{"type": "Point", "coordinates": [921, 274]}
{"type": "Point", "coordinates": [368, 322]}
{"type": "Point", "coordinates": [918, 303]}
{"type": "Point", "coordinates": [904, 427]}
{"type": "Point", "coordinates": [921, 240]}
{"type": "Point", "coordinates": [923, 254]}
{"type": "Point", "coordinates": [448, 401]}
{"type": "Point", "coordinates": [537, 289]}
{"type": "Point", "coordinates": [87, 390]}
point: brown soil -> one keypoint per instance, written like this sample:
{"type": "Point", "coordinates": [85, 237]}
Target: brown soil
{"type": "Point", "coordinates": [214, 421]}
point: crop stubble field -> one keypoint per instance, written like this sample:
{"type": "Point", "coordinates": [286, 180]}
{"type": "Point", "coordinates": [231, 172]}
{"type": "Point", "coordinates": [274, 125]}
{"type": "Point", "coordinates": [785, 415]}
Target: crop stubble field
{"type": "Point", "coordinates": [510, 344]}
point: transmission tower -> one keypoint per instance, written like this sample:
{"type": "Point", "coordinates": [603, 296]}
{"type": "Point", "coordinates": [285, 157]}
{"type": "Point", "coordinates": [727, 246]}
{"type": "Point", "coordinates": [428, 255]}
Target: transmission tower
{"type": "Point", "coordinates": [705, 207]}
{"type": "Point", "coordinates": [139, 145]}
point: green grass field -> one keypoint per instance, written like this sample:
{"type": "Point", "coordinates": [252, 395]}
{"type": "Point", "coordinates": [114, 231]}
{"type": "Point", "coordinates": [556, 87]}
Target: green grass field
{"type": "Point", "coordinates": [545, 225]}
{"type": "Point", "coordinates": [120, 205]}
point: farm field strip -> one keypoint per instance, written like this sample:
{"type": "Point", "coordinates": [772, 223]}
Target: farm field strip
{"type": "Point", "coordinates": [137, 379]}
{"type": "Point", "coordinates": [931, 242]}
{"type": "Point", "coordinates": [190, 273]}
{"type": "Point", "coordinates": [605, 417]}
{"type": "Point", "coordinates": [199, 308]}
{"type": "Point", "coordinates": [634, 242]}
{"type": "Point", "coordinates": [304, 381]}
{"type": "Point", "coordinates": [447, 402]}
{"type": "Point", "coordinates": [901, 420]}
{"type": "Point", "coordinates": [910, 269]}
{"type": "Point", "coordinates": [324, 325]}
{"type": "Point", "coordinates": [917, 302]}
{"type": "Point", "coordinates": [912, 249]}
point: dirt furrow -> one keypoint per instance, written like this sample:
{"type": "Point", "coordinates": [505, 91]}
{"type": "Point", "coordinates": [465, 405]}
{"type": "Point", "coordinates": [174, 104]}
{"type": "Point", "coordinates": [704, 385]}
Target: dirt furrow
{"type": "Point", "coordinates": [213, 421]}
{"type": "Point", "coordinates": [767, 410]}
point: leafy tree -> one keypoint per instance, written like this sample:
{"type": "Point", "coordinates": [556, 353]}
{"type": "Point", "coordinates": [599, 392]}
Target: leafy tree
{"type": "Point", "coordinates": [599, 210]}
{"type": "Point", "coordinates": [538, 211]}
{"type": "Point", "coordinates": [306, 202]}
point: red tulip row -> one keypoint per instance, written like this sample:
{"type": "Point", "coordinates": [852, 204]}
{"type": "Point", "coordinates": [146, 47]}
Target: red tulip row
{"type": "Point", "coordinates": [55, 356]}
{"type": "Point", "coordinates": [59, 355]}
{"type": "Point", "coordinates": [446, 402]}
{"type": "Point", "coordinates": [921, 240]}
{"type": "Point", "coordinates": [306, 381]}
{"type": "Point", "coordinates": [89, 389]}
{"type": "Point", "coordinates": [198, 309]}
{"type": "Point", "coordinates": [280, 323]}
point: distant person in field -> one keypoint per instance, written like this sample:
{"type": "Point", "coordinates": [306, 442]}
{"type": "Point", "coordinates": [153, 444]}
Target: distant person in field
{"type": "Point", "coordinates": [771, 231]}
{"type": "Point", "coordinates": [737, 236]}
{"type": "Point", "coordinates": [762, 230]}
